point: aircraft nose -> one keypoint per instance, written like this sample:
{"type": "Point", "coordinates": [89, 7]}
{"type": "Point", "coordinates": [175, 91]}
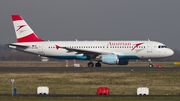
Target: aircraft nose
{"type": "Point", "coordinates": [170, 52]}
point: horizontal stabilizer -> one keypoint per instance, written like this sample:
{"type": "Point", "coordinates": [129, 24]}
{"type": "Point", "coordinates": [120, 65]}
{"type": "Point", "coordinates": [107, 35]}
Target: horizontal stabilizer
{"type": "Point", "coordinates": [18, 46]}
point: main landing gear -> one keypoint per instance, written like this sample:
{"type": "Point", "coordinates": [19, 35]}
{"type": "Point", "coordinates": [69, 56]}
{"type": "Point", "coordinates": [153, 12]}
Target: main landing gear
{"type": "Point", "coordinates": [91, 64]}
{"type": "Point", "coordinates": [150, 63]}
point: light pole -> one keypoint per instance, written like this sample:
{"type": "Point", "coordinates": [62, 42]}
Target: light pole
{"type": "Point", "coordinates": [12, 81]}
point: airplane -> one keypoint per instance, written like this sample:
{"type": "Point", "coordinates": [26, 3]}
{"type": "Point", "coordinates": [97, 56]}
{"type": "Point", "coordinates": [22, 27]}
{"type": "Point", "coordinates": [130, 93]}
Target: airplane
{"type": "Point", "coordinates": [107, 52]}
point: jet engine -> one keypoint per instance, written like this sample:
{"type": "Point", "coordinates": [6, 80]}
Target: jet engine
{"type": "Point", "coordinates": [113, 60]}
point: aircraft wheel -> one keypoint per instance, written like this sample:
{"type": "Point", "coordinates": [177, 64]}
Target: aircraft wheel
{"type": "Point", "coordinates": [150, 65]}
{"type": "Point", "coordinates": [98, 64]}
{"type": "Point", "coordinates": [90, 64]}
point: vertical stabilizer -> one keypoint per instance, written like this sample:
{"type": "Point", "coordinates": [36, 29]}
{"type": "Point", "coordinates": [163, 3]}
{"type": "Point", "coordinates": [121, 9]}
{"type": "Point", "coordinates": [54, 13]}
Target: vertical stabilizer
{"type": "Point", "coordinates": [23, 31]}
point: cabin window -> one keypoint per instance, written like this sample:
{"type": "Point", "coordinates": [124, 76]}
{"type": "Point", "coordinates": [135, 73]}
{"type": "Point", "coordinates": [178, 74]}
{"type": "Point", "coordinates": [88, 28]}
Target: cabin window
{"type": "Point", "coordinates": [161, 46]}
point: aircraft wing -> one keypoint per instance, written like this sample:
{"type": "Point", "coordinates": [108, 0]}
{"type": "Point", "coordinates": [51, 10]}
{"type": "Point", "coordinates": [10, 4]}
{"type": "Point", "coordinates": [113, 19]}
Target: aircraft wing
{"type": "Point", "coordinates": [85, 52]}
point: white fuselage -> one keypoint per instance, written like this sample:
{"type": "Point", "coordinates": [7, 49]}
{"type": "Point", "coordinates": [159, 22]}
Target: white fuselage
{"type": "Point", "coordinates": [124, 49]}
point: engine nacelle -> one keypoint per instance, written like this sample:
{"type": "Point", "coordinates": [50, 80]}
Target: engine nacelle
{"type": "Point", "coordinates": [110, 59]}
{"type": "Point", "coordinates": [113, 60]}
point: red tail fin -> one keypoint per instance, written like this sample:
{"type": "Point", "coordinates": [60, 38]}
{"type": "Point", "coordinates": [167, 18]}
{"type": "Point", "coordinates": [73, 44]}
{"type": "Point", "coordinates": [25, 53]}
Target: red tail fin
{"type": "Point", "coordinates": [23, 31]}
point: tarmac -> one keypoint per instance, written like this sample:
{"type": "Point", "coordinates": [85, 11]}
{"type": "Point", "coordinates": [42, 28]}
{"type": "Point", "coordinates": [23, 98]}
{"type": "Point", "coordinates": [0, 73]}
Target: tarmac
{"type": "Point", "coordinates": [85, 69]}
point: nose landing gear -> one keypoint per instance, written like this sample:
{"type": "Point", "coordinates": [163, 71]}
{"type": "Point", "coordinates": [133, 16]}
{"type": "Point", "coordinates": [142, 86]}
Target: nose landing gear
{"type": "Point", "coordinates": [150, 63]}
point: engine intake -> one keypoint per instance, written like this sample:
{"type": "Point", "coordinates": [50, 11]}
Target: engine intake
{"type": "Point", "coordinates": [110, 59]}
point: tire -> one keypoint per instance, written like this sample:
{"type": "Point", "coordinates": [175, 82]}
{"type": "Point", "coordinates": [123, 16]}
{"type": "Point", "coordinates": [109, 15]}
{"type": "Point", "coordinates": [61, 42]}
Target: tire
{"type": "Point", "coordinates": [150, 65]}
{"type": "Point", "coordinates": [90, 64]}
{"type": "Point", "coordinates": [98, 64]}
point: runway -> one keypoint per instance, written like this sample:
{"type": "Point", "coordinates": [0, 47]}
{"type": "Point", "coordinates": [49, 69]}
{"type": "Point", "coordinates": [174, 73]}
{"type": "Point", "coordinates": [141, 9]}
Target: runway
{"type": "Point", "coordinates": [84, 69]}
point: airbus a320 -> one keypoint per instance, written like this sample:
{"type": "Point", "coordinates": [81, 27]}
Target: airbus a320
{"type": "Point", "coordinates": [107, 52]}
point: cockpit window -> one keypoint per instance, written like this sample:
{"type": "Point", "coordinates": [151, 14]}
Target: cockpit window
{"type": "Point", "coordinates": [162, 46]}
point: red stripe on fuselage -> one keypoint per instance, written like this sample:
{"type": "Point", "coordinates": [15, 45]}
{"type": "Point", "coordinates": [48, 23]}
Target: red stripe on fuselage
{"type": "Point", "coordinates": [30, 38]}
{"type": "Point", "coordinates": [16, 17]}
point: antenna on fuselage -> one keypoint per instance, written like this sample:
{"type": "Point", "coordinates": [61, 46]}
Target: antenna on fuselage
{"type": "Point", "coordinates": [76, 40]}
{"type": "Point", "coordinates": [148, 40]}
